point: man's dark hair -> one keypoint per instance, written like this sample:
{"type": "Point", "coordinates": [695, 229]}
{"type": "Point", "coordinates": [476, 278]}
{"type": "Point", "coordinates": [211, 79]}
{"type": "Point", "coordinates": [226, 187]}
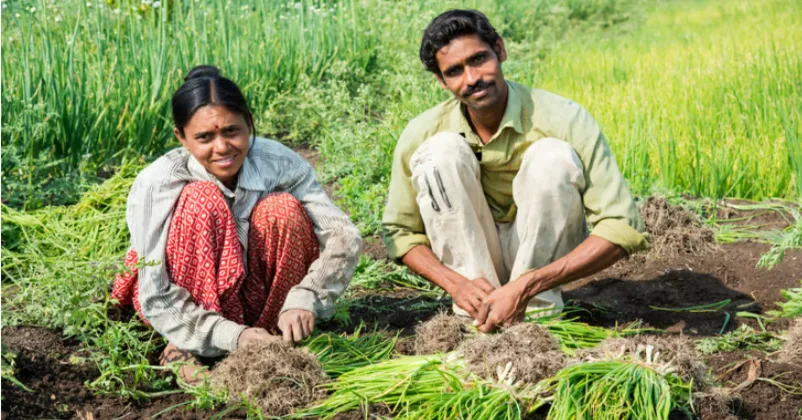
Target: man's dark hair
{"type": "Point", "coordinates": [453, 24]}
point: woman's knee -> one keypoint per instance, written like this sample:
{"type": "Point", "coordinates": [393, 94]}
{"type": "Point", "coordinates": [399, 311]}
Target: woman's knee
{"type": "Point", "coordinates": [280, 205]}
{"type": "Point", "coordinates": [202, 195]}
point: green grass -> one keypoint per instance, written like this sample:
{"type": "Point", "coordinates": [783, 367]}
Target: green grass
{"type": "Point", "coordinates": [95, 78]}
{"type": "Point", "coordinates": [703, 98]}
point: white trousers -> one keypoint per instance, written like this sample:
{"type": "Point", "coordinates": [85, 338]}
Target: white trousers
{"type": "Point", "coordinates": [550, 221]}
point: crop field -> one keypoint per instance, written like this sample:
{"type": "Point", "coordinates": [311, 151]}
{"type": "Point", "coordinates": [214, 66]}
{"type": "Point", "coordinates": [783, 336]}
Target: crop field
{"type": "Point", "coordinates": [701, 101]}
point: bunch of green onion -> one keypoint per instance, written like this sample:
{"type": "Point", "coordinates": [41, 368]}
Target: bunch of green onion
{"type": "Point", "coordinates": [477, 401]}
{"type": "Point", "coordinates": [616, 390]}
{"type": "Point", "coordinates": [573, 335]}
{"type": "Point", "coordinates": [403, 384]}
{"type": "Point", "coordinates": [341, 353]}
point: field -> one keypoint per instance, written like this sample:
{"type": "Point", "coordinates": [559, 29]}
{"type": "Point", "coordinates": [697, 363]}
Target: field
{"type": "Point", "coordinates": [701, 102]}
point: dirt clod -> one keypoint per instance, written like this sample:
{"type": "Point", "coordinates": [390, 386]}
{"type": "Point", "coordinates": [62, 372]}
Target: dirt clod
{"type": "Point", "coordinates": [276, 377]}
{"type": "Point", "coordinates": [441, 334]}
{"type": "Point", "coordinates": [792, 349]}
{"type": "Point", "coordinates": [674, 230]}
{"type": "Point", "coordinates": [714, 404]}
{"type": "Point", "coordinates": [529, 348]}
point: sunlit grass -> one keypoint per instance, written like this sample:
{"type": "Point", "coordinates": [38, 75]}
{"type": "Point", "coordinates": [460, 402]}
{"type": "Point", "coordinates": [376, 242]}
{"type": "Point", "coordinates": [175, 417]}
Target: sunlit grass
{"type": "Point", "coordinates": [703, 98]}
{"type": "Point", "coordinates": [92, 80]}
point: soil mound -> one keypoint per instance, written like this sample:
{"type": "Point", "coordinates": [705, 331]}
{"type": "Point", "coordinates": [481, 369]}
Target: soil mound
{"type": "Point", "coordinates": [674, 230]}
{"type": "Point", "coordinates": [441, 334]}
{"type": "Point", "coordinates": [528, 348]}
{"type": "Point", "coordinates": [273, 375]}
{"type": "Point", "coordinates": [792, 349]}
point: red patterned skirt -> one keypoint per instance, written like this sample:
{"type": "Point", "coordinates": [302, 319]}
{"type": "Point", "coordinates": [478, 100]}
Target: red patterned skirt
{"type": "Point", "coordinates": [204, 255]}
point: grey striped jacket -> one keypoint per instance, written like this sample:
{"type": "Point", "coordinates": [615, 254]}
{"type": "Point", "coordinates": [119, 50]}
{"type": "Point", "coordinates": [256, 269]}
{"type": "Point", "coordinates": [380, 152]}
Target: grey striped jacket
{"type": "Point", "coordinates": [269, 167]}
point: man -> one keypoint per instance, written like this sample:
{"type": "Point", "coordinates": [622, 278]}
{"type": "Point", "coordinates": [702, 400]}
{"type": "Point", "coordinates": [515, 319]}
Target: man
{"type": "Point", "coordinates": [490, 190]}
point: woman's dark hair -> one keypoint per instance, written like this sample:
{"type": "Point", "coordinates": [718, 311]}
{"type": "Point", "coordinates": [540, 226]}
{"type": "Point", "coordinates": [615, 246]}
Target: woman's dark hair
{"type": "Point", "coordinates": [453, 24]}
{"type": "Point", "coordinates": [205, 86]}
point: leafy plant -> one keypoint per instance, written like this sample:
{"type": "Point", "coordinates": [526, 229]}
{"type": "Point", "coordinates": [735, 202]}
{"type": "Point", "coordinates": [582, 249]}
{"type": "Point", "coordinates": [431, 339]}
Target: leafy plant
{"type": "Point", "coordinates": [791, 238]}
{"type": "Point", "coordinates": [371, 274]}
{"type": "Point", "coordinates": [744, 337]}
{"type": "Point", "coordinates": [792, 307]}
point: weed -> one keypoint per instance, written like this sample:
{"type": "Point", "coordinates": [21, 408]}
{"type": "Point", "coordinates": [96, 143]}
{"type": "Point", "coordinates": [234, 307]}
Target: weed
{"type": "Point", "coordinates": [792, 307]}
{"type": "Point", "coordinates": [744, 337]}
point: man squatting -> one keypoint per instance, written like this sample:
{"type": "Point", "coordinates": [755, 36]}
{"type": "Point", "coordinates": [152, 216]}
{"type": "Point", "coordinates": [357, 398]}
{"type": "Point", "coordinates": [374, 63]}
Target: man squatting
{"type": "Point", "coordinates": [492, 190]}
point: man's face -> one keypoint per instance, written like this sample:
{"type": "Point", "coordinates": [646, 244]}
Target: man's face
{"type": "Point", "coordinates": [471, 70]}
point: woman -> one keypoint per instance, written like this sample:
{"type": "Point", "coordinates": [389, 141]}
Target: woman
{"type": "Point", "coordinates": [232, 238]}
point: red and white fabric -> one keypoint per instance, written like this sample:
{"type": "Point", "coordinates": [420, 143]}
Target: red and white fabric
{"type": "Point", "coordinates": [204, 255]}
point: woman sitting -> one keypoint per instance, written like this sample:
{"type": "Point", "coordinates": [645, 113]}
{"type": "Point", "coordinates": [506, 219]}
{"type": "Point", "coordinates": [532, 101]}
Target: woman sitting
{"type": "Point", "coordinates": [232, 238]}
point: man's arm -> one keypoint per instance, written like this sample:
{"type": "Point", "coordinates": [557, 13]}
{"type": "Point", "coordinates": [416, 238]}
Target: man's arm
{"type": "Point", "coordinates": [617, 227]}
{"type": "Point", "coordinates": [508, 304]}
{"type": "Point", "coordinates": [467, 294]}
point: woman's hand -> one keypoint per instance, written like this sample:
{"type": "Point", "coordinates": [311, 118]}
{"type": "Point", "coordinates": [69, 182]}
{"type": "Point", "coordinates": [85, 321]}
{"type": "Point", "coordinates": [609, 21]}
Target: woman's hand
{"type": "Point", "coordinates": [296, 324]}
{"type": "Point", "coordinates": [249, 335]}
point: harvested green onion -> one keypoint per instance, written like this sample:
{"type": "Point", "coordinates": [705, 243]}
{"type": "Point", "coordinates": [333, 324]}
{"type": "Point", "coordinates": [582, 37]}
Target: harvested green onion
{"type": "Point", "coordinates": [340, 353]}
{"type": "Point", "coordinates": [403, 384]}
{"type": "Point", "coordinates": [616, 390]}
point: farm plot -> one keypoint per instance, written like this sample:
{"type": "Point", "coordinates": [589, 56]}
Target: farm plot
{"type": "Point", "coordinates": [698, 106]}
{"type": "Point", "coordinates": [689, 287]}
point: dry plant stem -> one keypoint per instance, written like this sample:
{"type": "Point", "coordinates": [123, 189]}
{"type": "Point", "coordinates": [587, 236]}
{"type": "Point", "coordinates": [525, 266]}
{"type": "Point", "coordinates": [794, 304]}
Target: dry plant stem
{"type": "Point", "coordinates": [528, 348]}
{"type": "Point", "coordinates": [441, 334]}
{"type": "Point", "coordinates": [273, 375]}
{"type": "Point", "coordinates": [791, 352]}
{"type": "Point", "coordinates": [674, 230]}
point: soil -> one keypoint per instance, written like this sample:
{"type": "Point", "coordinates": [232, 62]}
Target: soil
{"type": "Point", "coordinates": [761, 400]}
{"type": "Point", "coordinates": [681, 276]}
{"type": "Point", "coordinates": [49, 366]}
{"type": "Point", "coordinates": [631, 290]}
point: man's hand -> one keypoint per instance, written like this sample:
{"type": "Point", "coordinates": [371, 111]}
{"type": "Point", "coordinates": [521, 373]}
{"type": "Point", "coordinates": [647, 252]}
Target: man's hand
{"type": "Point", "coordinates": [296, 324]}
{"type": "Point", "coordinates": [471, 294]}
{"type": "Point", "coordinates": [250, 335]}
{"type": "Point", "coordinates": [504, 307]}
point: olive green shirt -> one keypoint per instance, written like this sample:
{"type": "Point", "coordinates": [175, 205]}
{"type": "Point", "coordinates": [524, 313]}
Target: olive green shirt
{"type": "Point", "coordinates": [531, 114]}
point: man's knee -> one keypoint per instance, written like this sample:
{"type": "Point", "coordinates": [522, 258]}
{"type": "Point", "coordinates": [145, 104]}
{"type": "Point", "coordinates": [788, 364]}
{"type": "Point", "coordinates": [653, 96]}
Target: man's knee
{"type": "Point", "coordinates": [443, 150]}
{"type": "Point", "coordinates": [551, 162]}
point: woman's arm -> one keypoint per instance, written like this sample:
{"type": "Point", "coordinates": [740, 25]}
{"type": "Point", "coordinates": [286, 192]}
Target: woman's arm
{"type": "Point", "coordinates": [340, 241]}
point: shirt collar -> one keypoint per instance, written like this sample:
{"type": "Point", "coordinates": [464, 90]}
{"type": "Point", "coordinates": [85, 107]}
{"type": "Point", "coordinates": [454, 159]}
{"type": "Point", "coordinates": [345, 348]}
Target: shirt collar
{"type": "Point", "coordinates": [512, 115]}
{"type": "Point", "coordinates": [249, 176]}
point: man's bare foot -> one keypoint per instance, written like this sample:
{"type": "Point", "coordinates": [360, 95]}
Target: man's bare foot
{"type": "Point", "coordinates": [190, 370]}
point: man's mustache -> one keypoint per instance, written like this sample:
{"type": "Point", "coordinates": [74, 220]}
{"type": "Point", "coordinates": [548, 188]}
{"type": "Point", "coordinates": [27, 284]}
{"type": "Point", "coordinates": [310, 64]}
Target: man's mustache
{"type": "Point", "coordinates": [480, 85]}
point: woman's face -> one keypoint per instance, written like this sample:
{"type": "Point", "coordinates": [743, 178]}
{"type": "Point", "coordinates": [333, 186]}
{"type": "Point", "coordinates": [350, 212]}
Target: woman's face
{"type": "Point", "coordinates": [218, 139]}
